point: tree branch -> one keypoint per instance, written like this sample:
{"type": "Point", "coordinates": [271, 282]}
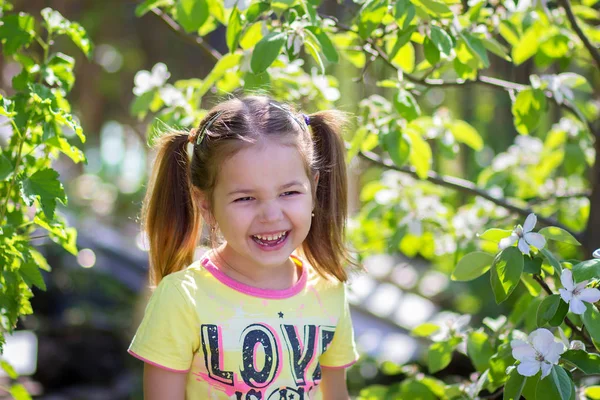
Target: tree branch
{"type": "Point", "coordinates": [586, 42]}
{"type": "Point", "coordinates": [195, 40]}
{"type": "Point", "coordinates": [494, 83]}
{"type": "Point", "coordinates": [464, 186]}
{"type": "Point", "coordinates": [569, 323]}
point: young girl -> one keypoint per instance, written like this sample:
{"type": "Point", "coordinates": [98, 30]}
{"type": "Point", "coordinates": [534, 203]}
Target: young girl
{"type": "Point", "coordinates": [263, 315]}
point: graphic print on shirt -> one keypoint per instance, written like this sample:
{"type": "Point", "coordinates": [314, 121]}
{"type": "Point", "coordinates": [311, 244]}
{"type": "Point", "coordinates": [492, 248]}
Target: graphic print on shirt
{"type": "Point", "coordinates": [303, 346]}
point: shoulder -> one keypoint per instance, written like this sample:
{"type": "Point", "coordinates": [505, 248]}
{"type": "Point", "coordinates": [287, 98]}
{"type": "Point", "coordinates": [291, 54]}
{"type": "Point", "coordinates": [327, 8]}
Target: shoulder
{"type": "Point", "coordinates": [186, 282]}
{"type": "Point", "coordinates": [328, 288]}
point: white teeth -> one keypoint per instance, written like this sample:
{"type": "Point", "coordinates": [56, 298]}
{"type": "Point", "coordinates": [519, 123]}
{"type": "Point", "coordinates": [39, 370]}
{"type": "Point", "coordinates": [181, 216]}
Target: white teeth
{"type": "Point", "coordinates": [271, 237]}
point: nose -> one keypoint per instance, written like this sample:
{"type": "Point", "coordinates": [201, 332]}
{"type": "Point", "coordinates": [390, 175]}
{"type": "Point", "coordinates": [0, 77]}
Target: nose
{"type": "Point", "coordinates": [271, 211]}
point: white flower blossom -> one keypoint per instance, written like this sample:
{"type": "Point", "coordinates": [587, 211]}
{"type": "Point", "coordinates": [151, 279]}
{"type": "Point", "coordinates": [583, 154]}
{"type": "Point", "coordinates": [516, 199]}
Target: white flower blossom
{"type": "Point", "coordinates": [145, 81]}
{"type": "Point", "coordinates": [573, 345]}
{"type": "Point", "coordinates": [540, 351]}
{"type": "Point", "coordinates": [241, 4]}
{"type": "Point", "coordinates": [596, 253]}
{"type": "Point", "coordinates": [450, 325]}
{"type": "Point", "coordinates": [576, 294]}
{"type": "Point", "coordinates": [524, 236]}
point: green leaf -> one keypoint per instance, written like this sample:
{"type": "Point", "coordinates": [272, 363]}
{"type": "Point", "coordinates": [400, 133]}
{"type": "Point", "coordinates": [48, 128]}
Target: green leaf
{"type": "Point", "coordinates": [435, 8]}
{"type": "Point", "coordinates": [256, 9]}
{"type": "Point", "coordinates": [495, 235]}
{"type": "Point", "coordinates": [16, 31]}
{"type": "Point", "coordinates": [591, 320]}
{"type": "Point", "coordinates": [402, 39]}
{"type": "Point", "coordinates": [441, 39]}
{"type": "Point", "coordinates": [553, 261]}
{"type": "Point", "coordinates": [226, 63]}
{"type": "Point", "coordinates": [585, 270]}
{"type": "Point", "coordinates": [559, 235]}
{"type": "Point", "coordinates": [505, 273]}
{"type": "Point", "coordinates": [30, 272]}
{"type": "Point", "coordinates": [514, 386]}
{"type": "Point", "coordinates": [327, 46]}
{"type": "Point", "coordinates": [559, 317]}
{"type": "Point", "coordinates": [59, 25]}
{"type": "Point", "coordinates": [19, 392]}
{"type": "Point", "coordinates": [6, 167]}
{"type": "Point", "coordinates": [234, 30]}
{"type": "Point", "coordinates": [400, 8]}
{"type": "Point", "coordinates": [311, 48]}
{"type": "Point", "coordinates": [527, 46]}
{"type": "Point", "coordinates": [465, 133]}
{"type": "Point", "coordinates": [370, 16]}
{"type": "Point", "coordinates": [547, 309]}
{"type": "Point", "coordinates": [79, 36]}
{"type": "Point", "coordinates": [589, 363]}
{"type": "Point", "coordinates": [148, 5]}
{"type": "Point", "coordinates": [192, 14]}
{"type": "Point", "coordinates": [440, 354]}
{"type": "Point", "coordinates": [45, 186]}
{"type": "Point", "coordinates": [495, 47]}
{"type": "Point", "coordinates": [9, 369]}
{"type": "Point", "coordinates": [141, 104]}
{"type": "Point", "coordinates": [575, 81]}
{"type": "Point", "coordinates": [532, 265]}
{"type": "Point", "coordinates": [593, 392]}
{"type": "Point", "coordinates": [426, 329]}
{"type": "Point", "coordinates": [406, 105]}
{"type": "Point", "coordinates": [563, 382]}
{"type": "Point", "coordinates": [432, 54]}
{"type": "Point", "coordinates": [266, 51]}
{"type": "Point", "coordinates": [476, 46]}
{"type": "Point", "coordinates": [397, 146]}
{"type": "Point", "coordinates": [480, 350]}
{"type": "Point", "coordinates": [420, 153]}
{"type": "Point", "coordinates": [527, 110]}
{"type": "Point", "coordinates": [66, 148]}
{"type": "Point", "coordinates": [59, 71]}
{"type": "Point", "coordinates": [472, 266]}
{"type": "Point", "coordinates": [411, 389]}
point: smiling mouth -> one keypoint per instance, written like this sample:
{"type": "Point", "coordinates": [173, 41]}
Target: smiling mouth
{"type": "Point", "coordinates": [264, 241]}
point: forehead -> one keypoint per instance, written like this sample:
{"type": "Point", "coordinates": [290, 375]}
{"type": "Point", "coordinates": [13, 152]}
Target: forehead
{"type": "Point", "coordinates": [262, 167]}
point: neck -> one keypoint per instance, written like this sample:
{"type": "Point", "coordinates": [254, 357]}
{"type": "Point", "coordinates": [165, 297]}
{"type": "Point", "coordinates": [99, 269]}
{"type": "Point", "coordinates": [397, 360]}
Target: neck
{"type": "Point", "coordinates": [262, 278]}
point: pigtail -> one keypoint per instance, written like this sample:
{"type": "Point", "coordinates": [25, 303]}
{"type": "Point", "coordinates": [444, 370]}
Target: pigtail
{"type": "Point", "coordinates": [324, 247]}
{"type": "Point", "coordinates": [170, 217]}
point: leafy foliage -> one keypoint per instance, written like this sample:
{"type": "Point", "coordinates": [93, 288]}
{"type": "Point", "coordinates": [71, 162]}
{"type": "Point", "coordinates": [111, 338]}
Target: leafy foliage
{"type": "Point", "coordinates": [42, 128]}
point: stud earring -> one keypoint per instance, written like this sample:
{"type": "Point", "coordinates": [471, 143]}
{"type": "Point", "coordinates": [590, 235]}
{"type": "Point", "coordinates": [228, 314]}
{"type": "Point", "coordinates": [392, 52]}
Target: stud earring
{"type": "Point", "coordinates": [312, 214]}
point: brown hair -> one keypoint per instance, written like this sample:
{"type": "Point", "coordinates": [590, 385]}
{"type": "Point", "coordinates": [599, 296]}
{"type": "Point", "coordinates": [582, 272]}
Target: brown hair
{"type": "Point", "coordinates": [171, 214]}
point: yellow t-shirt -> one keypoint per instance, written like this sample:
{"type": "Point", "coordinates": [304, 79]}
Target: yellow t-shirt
{"type": "Point", "coordinates": [236, 341]}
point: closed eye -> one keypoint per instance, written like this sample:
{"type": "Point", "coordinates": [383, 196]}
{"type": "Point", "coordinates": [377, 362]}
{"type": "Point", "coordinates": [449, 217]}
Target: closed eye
{"type": "Point", "coordinates": [241, 199]}
{"type": "Point", "coordinates": [290, 193]}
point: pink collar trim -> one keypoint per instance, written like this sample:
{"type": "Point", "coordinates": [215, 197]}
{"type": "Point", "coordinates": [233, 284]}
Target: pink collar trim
{"type": "Point", "coordinates": [254, 291]}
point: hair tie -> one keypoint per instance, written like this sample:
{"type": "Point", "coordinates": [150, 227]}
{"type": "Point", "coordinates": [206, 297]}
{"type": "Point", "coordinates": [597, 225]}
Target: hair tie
{"type": "Point", "coordinates": [306, 119]}
{"type": "Point", "coordinates": [207, 126]}
{"type": "Point", "coordinates": [192, 135]}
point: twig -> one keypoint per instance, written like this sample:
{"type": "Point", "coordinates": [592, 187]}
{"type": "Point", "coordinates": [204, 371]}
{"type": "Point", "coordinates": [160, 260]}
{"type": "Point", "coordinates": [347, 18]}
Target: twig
{"type": "Point", "coordinates": [586, 42]}
{"type": "Point", "coordinates": [464, 186]}
{"type": "Point", "coordinates": [569, 323]}
{"type": "Point", "coordinates": [538, 200]}
{"type": "Point", "coordinates": [196, 40]}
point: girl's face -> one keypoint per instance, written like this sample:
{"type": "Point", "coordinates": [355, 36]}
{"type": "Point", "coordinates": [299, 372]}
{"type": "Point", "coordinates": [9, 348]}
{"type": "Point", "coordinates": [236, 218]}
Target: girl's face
{"type": "Point", "coordinates": [262, 193]}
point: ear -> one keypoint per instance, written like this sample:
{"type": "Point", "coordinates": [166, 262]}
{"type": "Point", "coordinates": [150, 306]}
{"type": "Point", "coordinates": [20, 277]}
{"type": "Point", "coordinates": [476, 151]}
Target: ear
{"type": "Point", "coordinates": [204, 203]}
{"type": "Point", "coordinates": [315, 186]}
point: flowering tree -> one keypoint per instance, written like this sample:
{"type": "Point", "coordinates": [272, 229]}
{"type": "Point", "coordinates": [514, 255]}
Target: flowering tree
{"type": "Point", "coordinates": [413, 134]}
{"type": "Point", "coordinates": [411, 205]}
